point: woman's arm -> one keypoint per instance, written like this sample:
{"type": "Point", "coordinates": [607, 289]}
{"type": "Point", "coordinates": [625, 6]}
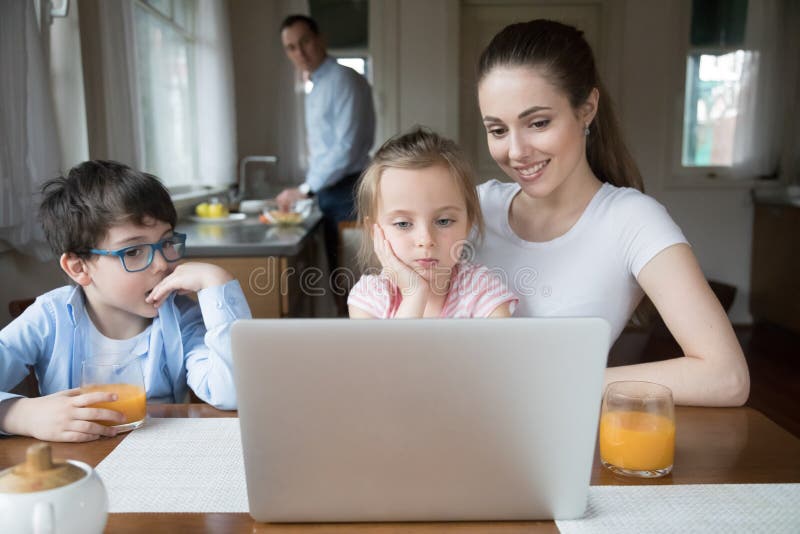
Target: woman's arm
{"type": "Point", "coordinates": [712, 370]}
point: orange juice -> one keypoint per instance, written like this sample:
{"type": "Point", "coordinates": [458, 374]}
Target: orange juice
{"type": "Point", "coordinates": [130, 401]}
{"type": "Point", "coordinates": [637, 441]}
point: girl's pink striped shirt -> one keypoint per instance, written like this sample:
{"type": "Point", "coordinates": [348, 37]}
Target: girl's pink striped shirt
{"type": "Point", "coordinates": [475, 291]}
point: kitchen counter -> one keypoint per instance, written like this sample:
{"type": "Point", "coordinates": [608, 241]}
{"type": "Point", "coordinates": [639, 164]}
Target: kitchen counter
{"type": "Point", "coordinates": [774, 284]}
{"type": "Point", "coordinates": [268, 260]}
{"type": "Point", "coordinates": [789, 196]}
{"type": "Point", "coordinates": [247, 238]}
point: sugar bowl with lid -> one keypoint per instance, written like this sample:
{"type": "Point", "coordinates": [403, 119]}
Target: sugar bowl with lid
{"type": "Point", "coordinates": [43, 495]}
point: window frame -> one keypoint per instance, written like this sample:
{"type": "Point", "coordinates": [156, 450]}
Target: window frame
{"type": "Point", "coordinates": [697, 177]}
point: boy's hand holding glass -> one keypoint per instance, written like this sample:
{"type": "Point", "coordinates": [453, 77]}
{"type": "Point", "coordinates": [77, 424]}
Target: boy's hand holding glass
{"type": "Point", "coordinates": [68, 415]}
{"type": "Point", "coordinates": [124, 380]}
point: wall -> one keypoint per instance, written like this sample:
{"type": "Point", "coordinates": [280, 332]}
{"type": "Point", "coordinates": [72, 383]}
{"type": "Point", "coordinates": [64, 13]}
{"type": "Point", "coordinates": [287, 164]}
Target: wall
{"type": "Point", "coordinates": [428, 65]}
{"type": "Point", "coordinates": [716, 221]}
{"type": "Point", "coordinates": [266, 120]}
{"type": "Point", "coordinates": [25, 277]}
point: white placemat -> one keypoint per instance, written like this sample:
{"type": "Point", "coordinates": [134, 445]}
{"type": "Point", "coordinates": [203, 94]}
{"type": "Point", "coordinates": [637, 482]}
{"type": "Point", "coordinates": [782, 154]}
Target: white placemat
{"type": "Point", "coordinates": [723, 508]}
{"type": "Point", "coordinates": [177, 465]}
{"type": "Point", "coordinates": [195, 465]}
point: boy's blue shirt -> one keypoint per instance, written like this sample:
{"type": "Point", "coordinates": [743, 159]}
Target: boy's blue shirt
{"type": "Point", "coordinates": [189, 344]}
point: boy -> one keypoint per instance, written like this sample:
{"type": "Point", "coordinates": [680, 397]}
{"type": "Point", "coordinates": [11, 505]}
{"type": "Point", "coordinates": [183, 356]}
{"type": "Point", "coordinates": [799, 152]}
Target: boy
{"type": "Point", "coordinates": [113, 228]}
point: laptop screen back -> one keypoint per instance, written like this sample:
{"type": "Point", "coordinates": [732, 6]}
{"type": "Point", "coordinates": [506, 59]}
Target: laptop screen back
{"type": "Point", "coordinates": [416, 420]}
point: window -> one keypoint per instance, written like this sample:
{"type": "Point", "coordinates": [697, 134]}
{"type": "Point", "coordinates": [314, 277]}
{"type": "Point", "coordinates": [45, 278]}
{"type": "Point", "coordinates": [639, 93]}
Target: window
{"type": "Point", "coordinates": [713, 83]}
{"type": "Point", "coordinates": [715, 66]}
{"type": "Point", "coordinates": [358, 64]}
{"type": "Point", "coordinates": [164, 34]}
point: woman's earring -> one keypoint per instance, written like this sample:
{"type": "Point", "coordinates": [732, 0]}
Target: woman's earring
{"type": "Point", "coordinates": [467, 253]}
{"type": "Point", "coordinates": [586, 130]}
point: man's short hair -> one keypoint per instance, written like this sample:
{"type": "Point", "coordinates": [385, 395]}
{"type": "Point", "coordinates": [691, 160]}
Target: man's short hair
{"type": "Point", "coordinates": [291, 20]}
{"type": "Point", "coordinates": [78, 210]}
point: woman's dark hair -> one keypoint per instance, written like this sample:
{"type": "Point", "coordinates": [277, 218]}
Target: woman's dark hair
{"type": "Point", "coordinates": [77, 210]}
{"type": "Point", "coordinates": [562, 55]}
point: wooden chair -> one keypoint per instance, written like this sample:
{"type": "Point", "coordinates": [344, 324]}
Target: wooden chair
{"type": "Point", "coordinates": [348, 243]}
{"type": "Point", "coordinates": [29, 387]}
{"type": "Point", "coordinates": [16, 307]}
{"type": "Point", "coordinates": [349, 239]}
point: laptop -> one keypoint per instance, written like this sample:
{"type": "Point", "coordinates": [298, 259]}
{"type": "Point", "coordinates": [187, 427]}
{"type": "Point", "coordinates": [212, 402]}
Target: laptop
{"type": "Point", "coordinates": [418, 420]}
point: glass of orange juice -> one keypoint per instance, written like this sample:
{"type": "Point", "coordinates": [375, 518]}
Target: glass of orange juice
{"type": "Point", "coordinates": [124, 379]}
{"type": "Point", "coordinates": [637, 429]}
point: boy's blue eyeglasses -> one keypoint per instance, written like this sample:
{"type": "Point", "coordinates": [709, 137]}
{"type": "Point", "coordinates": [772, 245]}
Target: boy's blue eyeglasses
{"type": "Point", "coordinates": [139, 257]}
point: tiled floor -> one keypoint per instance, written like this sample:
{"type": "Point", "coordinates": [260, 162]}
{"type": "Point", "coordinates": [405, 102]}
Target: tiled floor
{"type": "Point", "coordinates": [773, 355]}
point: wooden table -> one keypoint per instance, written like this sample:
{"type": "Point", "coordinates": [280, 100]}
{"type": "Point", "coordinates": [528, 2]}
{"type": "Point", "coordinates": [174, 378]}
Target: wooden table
{"type": "Point", "coordinates": [713, 446]}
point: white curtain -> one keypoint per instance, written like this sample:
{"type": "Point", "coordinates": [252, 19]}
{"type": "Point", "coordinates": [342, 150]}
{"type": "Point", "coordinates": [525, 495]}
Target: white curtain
{"type": "Point", "coordinates": [111, 96]}
{"type": "Point", "coordinates": [757, 141]}
{"type": "Point", "coordinates": [29, 151]}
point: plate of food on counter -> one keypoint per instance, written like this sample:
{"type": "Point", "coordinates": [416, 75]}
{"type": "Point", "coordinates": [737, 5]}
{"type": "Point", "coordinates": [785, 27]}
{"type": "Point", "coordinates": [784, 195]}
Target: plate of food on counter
{"type": "Point", "coordinates": [296, 214]}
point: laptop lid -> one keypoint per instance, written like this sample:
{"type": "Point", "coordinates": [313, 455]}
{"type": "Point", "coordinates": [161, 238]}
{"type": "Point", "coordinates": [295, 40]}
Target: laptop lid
{"type": "Point", "coordinates": [418, 420]}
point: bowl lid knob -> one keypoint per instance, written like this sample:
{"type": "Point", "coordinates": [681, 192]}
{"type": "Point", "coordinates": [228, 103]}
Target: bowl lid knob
{"type": "Point", "coordinates": [39, 472]}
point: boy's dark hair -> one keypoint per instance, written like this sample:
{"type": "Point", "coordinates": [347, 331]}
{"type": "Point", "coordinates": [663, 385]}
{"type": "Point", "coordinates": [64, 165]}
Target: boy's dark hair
{"type": "Point", "coordinates": [77, 210]}
{"type": "Point", "coordinates": [291, 20]}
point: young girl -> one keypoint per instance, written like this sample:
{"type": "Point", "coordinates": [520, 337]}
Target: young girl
{"type": "Point", "coordinates": [417, 204]}
{"type": "Point", "coordinates": [576, 215]}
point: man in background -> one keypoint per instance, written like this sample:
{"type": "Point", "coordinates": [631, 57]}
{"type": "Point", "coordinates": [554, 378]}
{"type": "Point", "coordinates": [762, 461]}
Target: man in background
{"type": "Point", "coordinates": [340, 129]}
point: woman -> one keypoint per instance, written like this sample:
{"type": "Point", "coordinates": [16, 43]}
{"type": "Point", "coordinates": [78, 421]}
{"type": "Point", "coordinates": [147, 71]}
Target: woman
{"type": "Point", "coordinates": [574, 233]}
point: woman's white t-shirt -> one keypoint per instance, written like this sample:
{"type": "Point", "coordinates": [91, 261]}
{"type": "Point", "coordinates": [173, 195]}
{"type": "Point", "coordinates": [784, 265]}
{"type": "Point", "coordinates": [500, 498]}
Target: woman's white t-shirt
{"type": "Point", "coordinates": [591, 270]}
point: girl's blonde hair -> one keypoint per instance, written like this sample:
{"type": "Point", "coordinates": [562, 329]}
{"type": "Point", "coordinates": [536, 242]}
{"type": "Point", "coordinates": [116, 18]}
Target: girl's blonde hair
{"type": "Point", "coordinates": [420, 148]}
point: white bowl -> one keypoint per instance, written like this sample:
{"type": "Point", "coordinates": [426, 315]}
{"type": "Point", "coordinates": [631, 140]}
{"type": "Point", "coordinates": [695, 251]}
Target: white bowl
{"type": "Point", "coordinates": [77, 508]}
{"type": "Point", "coordinates": [252, 206]}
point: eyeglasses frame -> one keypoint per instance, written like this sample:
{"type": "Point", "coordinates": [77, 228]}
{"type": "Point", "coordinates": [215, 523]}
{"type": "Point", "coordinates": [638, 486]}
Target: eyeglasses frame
{"type": "Point", "coordinates": [158, 246]}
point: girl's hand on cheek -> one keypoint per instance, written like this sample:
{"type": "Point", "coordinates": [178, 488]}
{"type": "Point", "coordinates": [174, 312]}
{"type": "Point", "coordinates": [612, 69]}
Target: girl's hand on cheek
{"type": "Point", "coordinates": [403, 276]}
